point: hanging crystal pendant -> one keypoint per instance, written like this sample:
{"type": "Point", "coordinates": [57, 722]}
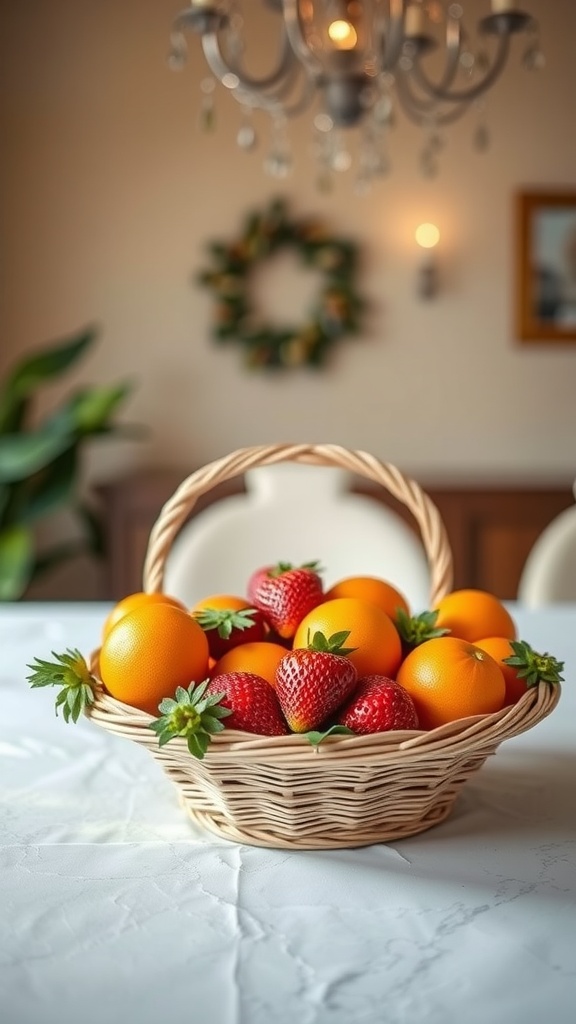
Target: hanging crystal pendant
{"type": "Point", "coordinates": [341, 157]}
{"type": "Point", "coordinates": [468, 63]}
{"type": "Point", "coordinates": [322, 150]}
{"type": "Point", "coordinates": [178, 52]}
{"type": "Point", "coordinates": [246, 138]}
{"type": "Point", "coordinates": [374, 161]}
{"type": "Point", "coordinates": [432, 147]}
{"type": "Point", "coordinates": [278, 163]}
{"type": "Point", "coordinates": [207, 109]}
{"type": "Point", "coordinates": [534, 59]}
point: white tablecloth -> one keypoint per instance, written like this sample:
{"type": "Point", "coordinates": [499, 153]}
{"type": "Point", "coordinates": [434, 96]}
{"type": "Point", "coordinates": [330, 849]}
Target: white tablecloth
{"type": "Point", "coordinates": [114, 908]}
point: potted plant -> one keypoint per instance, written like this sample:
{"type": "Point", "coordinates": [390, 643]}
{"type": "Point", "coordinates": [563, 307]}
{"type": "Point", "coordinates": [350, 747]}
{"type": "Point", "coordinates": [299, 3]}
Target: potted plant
{"type": "Point", "coordinates": [40, 461]}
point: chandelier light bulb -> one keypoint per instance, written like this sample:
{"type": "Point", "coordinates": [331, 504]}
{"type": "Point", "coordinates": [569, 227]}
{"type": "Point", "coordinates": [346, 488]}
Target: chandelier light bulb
{"type": "Point", "coordinates": [343, 35]}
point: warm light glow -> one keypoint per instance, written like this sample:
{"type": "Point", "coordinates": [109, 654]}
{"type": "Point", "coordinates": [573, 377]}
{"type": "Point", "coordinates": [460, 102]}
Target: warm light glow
{"type": "Point", "coordinates": [343, 35]}
{"type": "Point", "coordinates": [427, 235]}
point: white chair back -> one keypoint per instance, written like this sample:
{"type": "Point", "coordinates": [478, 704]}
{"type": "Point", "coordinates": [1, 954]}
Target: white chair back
{"type": "Point", "coordinates": [549, 573]}
{"type": "Point", "coordinates": [295, 513]}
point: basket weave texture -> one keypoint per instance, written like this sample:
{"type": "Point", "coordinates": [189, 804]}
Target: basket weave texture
{"type": "Point", "coordinates": [281, 792]}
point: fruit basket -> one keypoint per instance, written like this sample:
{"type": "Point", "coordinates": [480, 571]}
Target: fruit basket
{"type": "Point", "coordinates": [348, 791]}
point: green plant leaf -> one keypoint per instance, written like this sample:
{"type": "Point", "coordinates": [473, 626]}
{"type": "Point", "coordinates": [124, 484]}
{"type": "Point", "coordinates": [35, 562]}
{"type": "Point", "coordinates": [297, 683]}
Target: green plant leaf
{"type": "Point", "coordinates": [39, 463]}
{"type": "Point", "coordinates": [16, 562]}
{"type": "Point", "coordinates": [89, 410]}
{"type": "Point", "coordinates": [49, 362]}
{"type": "Point", "coordinates": [52, 487]}
{"type": "Point", "coordinates": [5, 493]}
{"type": "Point", "coordinates": [13, 413]}
{"type": "Point", "coordinates": [35, 370]}
{"type": "Point", "coordinates": [21, 455]}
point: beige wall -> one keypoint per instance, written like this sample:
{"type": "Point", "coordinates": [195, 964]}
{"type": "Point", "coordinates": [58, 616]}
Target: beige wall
{"type": "Point", "coordinates": [109, 194]}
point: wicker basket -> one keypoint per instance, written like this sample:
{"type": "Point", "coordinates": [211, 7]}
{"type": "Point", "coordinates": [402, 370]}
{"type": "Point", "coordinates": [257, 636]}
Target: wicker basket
{"type": "Point", "coordinates": [351, 790]}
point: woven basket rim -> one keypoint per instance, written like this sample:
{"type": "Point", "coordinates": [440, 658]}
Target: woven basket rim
{"type": "Point", "coordinates": [468, 733]}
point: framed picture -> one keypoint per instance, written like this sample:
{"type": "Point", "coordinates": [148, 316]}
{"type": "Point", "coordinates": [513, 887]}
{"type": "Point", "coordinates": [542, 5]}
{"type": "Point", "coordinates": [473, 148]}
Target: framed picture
{"type": "Point", "coordinates": [546, 266]}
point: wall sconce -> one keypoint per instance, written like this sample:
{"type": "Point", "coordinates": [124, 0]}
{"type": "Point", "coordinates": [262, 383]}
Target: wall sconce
{"type": "Point", "coordinates": [428, 236]}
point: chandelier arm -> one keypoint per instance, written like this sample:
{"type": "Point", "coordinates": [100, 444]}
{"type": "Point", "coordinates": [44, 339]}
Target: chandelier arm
{"type": "Point", "coordinates": [416, 109]}
{"type": "Point", "coordinates": [465, 95]}
{"type": "Point", "coordinates": [221, 67]}
{"type": "Point", "coordinates": [272, 102]}
{"type": "Point", "coordinates": [454, 49]}
{"type": "Point", "coordinates": [395, 35]}
{"type": "Point", "coordinates": [274, 96]}
{"type": "Point", "coordinates": [295, 36]}
{"type": "Point", "coordinates": [304, 101]}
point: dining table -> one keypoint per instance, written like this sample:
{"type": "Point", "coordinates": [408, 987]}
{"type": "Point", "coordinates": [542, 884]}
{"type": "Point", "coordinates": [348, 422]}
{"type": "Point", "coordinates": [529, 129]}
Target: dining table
{"type": "Point", "coordinates": [115, 907]}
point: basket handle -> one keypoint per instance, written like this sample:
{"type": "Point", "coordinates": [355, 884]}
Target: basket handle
{"type": "Point", "coordinates": [176, 510]}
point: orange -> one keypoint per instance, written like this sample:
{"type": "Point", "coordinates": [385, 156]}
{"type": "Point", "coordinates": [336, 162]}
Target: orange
{"type": "Point", "coordinates": [132, 601]}
{"type": "Point", "coordinates": [150, 652]}
{"type": "Point", "coordinates": [498, 647]}
{"type": "Point", "coordinates": [371, 632]}
{"type": "Point", "coordinates": [370, 588]}
{"type": "Point", "coordinates": [229, 602]}
{"type": "Point", "coordinates": [449, 678]}
{"type": "Point", "coordinates": [260, 658]}
{"type": "Point", "coordinates": [472, 614]}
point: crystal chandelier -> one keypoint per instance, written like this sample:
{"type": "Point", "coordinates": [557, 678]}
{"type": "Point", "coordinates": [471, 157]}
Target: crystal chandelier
{"type": "Point", "coordinates": [354, 64]}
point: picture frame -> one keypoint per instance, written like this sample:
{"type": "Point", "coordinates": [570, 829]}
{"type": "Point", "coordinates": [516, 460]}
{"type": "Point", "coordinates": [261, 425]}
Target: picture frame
{"type": "Point", "coordinates": [546, 266]}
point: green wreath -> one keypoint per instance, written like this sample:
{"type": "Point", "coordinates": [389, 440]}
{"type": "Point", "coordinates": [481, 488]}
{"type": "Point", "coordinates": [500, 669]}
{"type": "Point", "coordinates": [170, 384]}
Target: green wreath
{"type": "Point", "coordinates": [335, 311]}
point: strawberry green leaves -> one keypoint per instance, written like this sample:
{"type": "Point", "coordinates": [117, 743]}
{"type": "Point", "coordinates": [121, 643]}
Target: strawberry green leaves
{"type": "Point", "coordinates": [191, 714]}
{"type": "Point", "coordinates": [315, 738]}
{"type": "Point", "coordinates": [70, 672]}
{"type": "Point", "coordinates": [416, 629]}
{"type": "Point", "coordinates": [333, 644]}
{"type": "Point", "coordinates": [534, 667]}
{"type": "Point", "coordinates": [225, 620]}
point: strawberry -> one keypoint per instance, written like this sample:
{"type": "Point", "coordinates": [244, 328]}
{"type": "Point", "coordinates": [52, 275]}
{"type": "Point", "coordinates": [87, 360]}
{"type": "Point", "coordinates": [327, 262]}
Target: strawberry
{"type": "Point", "coordinates": [285, 594]}
{"type": "Point", "coordinates": [251, 700]}
{"type": "Point", "coordinates": [378, 704]}
{"type": "Point", "coordinates": [312, 682]}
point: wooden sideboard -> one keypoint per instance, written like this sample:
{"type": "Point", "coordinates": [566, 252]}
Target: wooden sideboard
{"type": "Point", "coordinates": [491, 528]}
